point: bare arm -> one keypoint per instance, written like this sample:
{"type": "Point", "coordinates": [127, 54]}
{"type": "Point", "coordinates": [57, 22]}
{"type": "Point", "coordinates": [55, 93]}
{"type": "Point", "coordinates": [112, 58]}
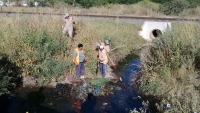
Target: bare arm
{"type": "Point", "coordinates": [85, 59]}
{"type": "Point", "coordinates": [99, 42]}
{"type": "Point", "coordinates": [75, 62]}
{"type": "Point", "coordinates": [63, 25]}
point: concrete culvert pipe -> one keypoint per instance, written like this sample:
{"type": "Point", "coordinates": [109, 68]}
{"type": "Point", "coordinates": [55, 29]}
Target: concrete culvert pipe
{"type": "Point", "coordinates": [152, 29]}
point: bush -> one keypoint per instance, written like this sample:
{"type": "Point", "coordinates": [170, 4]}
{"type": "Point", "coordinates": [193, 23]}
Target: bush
{"type": "Point", "coordinates": [194, 3]}
{"type": "Point", "coordinates": [148, 4]}
{"type": "Point", "coordinates": [169, 69]}
{"type": "Point", "coordinates": [9, 75]}
{"type": "Point", "coordinates": [174, 7]}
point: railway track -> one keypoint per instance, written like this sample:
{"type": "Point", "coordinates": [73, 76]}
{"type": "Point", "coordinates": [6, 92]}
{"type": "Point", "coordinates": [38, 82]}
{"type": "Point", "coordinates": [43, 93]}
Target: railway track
{"type": "Point", "coordinates": [107, 16]}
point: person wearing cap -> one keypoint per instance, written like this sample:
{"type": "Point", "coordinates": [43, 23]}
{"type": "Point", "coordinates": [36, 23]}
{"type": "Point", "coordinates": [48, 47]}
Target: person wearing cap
{"type": "Point", "coordinates": [68, 25]}
{"type": "Point", "coordinates": [79, 59]}
{"type": "Point", "coordinates": [106, 45]}
{"type": "Point", "coordinates": [103, 60]}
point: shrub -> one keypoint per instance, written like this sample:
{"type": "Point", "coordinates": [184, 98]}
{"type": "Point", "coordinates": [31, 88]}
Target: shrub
{"type": "Point", "coordinates": [9, 75]}
{"type": "Point", "coordinates": [174, 7]}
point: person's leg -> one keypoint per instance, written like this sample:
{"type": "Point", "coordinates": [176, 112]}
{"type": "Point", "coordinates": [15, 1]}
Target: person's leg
{"type": "Point", "coordinates": [64, 31]}
{"type": "Point", "coordinates": [101, 68]}
{"type": "Point", "coordinates": [70, 32]}
{"type": "Point", "coordinates": [82, 69]}
{"type": "Point", "coordinates": [104, 70]}
{"type": "Point", "coordinates": [77, 68]}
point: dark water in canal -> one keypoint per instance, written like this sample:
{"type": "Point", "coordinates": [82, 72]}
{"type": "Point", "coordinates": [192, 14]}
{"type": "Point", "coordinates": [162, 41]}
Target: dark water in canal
{"type": "Point", "coordinates": [46, 100]}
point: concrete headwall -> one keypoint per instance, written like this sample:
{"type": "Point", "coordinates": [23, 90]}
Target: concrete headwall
{"type": "Point", "coordinates": [148, 27]}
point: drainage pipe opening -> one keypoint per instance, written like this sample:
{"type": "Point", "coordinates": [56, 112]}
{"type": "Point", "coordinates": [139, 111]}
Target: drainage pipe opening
{"type": "Point", "coordinates": [155, 33]}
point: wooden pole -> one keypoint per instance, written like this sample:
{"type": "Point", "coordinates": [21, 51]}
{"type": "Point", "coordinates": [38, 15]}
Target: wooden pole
{"type": "Point", "coordinates": [73, 7]}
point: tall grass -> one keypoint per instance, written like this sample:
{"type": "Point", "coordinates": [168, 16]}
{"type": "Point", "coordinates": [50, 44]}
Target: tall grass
{"type": "Point", "coordinates": [191, 13]}
{"type": "Point", "coordinates": [170, 69]}
{"type": "Point", "coordinates": [36, 44]}
{"type": "Point", "coordinates": [143, 8]}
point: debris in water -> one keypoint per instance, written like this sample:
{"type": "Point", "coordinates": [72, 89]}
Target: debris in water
{"type": "Point", "coordinates": [97, 91]}
{"type": "Point", "coordinates": [82, 89]}
{"type": "Point", "coordinates": [105, 104]}
{"type": "Point", "coordinates": [139, 97]}
{"type": "Point", "coordinates": [89, 90]}
{"type": "Point", "coordinates": [134, 98]}
{"type": "Point", "coordinates": [120, 79]}
{"type": "Point", "coordinates": [133, 111]}
{"type": "Point", "coordinates": [50, 103]}
{"type": "Point", "coordinates": [168, 106]}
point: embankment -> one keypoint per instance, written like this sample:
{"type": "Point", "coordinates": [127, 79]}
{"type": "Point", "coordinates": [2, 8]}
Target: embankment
{"type": "Point", "coordinates": [36, 45]}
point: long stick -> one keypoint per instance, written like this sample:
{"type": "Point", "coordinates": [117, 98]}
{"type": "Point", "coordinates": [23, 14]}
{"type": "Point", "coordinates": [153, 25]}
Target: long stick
{"type": "Point", "coordinates": [110, 60]}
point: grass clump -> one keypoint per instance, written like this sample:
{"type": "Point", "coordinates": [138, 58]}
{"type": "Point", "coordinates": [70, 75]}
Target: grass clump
{"type": "Point", "coordinates": [170, 69]}
{"type": "Point", "coordinates": [99, 81]}
{"type": "Point", "coordinates": [37, 46]}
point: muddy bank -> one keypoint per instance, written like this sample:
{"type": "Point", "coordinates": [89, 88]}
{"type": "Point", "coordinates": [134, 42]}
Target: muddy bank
{"type": "Point", "coordinates": [67, 78]}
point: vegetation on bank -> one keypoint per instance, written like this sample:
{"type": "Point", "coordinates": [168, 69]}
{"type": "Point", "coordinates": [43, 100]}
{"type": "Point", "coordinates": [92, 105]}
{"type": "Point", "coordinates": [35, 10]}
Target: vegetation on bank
{"type": "Point", "coordinates": [150, 8]}
{"type": "Point", "coordinates": [171, 69]}
{"type": "Point", "coordinates": [36, 45]}
{"type": "Point", "coordinates": [97, 3]}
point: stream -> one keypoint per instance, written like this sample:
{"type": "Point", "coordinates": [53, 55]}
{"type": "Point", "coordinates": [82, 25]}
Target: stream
{"type": "Point", "coordinates": [48, 100]}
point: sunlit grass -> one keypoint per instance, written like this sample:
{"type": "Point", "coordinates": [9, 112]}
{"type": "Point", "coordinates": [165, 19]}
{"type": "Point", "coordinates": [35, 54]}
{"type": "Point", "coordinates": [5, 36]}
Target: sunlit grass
{"type": "Point", "coordinates": [36, 44]}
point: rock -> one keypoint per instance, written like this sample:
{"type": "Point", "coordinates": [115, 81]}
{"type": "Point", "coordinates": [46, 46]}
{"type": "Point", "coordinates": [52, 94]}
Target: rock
{"type": "Point", "coordinates": [29, 81]}
{"type": "Point", "coordinates": [53, 84]}
{"type": "Point", "coordinates": [66, 81]}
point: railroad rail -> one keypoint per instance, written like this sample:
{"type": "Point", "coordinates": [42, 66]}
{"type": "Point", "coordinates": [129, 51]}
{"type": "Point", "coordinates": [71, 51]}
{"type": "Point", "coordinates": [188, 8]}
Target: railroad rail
{"type": "Point", "coordinates": [108, 16]}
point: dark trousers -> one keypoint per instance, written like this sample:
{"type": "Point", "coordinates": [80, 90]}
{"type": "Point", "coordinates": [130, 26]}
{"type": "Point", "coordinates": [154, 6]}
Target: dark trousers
{"type": "Point", "coordinates": [80, 69]}
{"type": "Point", "coordinates": [103, 69]}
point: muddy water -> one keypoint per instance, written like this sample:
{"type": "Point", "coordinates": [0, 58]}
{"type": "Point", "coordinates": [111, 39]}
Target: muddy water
{"type": "Point", "coordinates": [48, 100]}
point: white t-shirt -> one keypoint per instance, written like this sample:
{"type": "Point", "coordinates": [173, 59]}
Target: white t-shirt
{"type": "Point", "coordinates": [69, 23]}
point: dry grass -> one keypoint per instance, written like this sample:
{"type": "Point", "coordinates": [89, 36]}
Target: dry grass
{"type": "Point", "coordinates": [170, 69]}
{"type": "Point", "coordinates": [193, 13]}
{"type": "Point", "coordinates": [143, 8]}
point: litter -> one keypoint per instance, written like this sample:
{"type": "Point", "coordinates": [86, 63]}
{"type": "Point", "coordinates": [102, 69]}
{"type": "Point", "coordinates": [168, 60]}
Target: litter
{"type": "Point", "coordinates": [139, 97]}
{"type": "Point", "coordinates": [105, 104]}
{"type": "Point", "coordinates": [168, 106]}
